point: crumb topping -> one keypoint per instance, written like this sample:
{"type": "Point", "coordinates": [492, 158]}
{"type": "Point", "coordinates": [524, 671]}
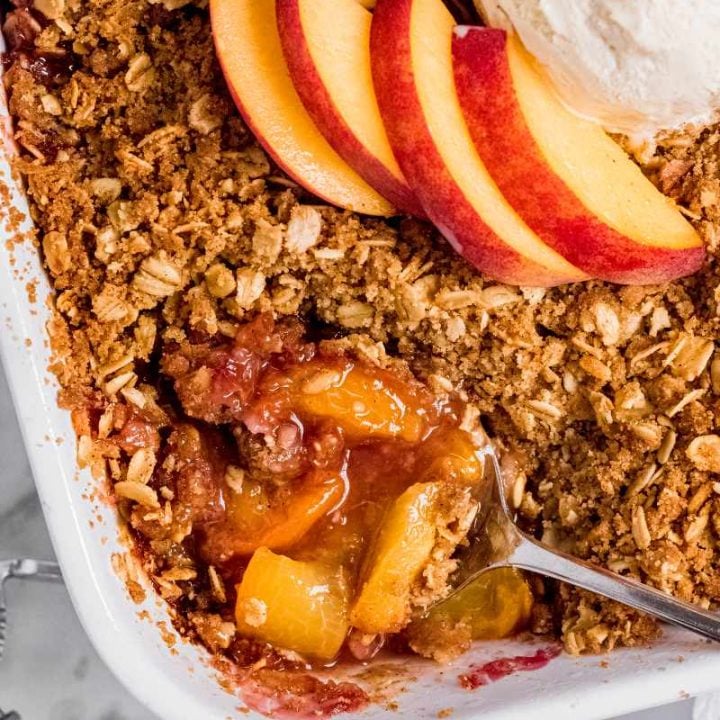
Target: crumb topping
{"type": "Point", "coordinates": [162, 222]}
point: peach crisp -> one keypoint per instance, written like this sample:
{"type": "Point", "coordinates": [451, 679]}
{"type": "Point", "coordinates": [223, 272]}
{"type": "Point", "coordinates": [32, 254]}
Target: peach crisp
{"type": "Point", "coordinates": [329, 493]}
{"type": "Point", "coordinates": [280, 383]}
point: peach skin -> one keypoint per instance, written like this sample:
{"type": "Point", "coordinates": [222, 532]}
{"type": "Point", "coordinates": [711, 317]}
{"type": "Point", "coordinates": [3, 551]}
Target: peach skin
{"type": "Point", "coordinates": [568, 180]}
{"type": "Point", "coordinates": [411, 52]}
{"type": "Point", "coordinates": [250, 54]}
{"type": "Point", "coordinates": [327, 49]}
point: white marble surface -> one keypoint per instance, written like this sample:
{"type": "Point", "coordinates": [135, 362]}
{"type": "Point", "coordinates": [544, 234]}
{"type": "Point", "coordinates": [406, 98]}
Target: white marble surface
{"type": "Point", "coordinates": [50, 671]}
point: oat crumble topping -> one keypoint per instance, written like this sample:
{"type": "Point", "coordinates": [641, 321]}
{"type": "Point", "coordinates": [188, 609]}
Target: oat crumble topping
{"type": "Point", "coordinates": [161, 221]}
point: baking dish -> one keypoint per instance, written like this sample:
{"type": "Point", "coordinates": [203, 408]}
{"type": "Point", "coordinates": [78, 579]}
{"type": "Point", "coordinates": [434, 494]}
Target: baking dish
{"type": "Point", "coordinates": [178, 682]}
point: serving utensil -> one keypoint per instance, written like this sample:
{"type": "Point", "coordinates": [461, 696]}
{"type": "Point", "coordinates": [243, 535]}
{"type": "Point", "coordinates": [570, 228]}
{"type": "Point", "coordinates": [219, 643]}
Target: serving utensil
{"type": "Point", "coordinates": [496, 541]}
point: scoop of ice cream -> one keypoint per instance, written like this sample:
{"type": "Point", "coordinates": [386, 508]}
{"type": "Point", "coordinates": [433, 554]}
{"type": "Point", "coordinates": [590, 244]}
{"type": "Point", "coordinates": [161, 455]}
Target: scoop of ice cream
{"type": "Point", "coordinates": [635, 67]}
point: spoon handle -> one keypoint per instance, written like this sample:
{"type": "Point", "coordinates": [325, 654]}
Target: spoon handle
{"type": "Point", "coordinates": [531, 555]}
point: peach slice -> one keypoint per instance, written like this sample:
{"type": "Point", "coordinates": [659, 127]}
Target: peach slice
{"type": "Point", "coordinates": [327, 49]}
{"type": "Point", "coordinates": [248, 47]}
{"type": "Point", "coordinates": [365, 402]}
{"type": "Point", "coordinates": [401, 551]}
{"type": "Point", "coordinates": [450, 456]}
{"type": "Point", "coordinates": [301, 606]}
{"type": "Point", "coordinates": [570, 182]}
{"type": "Point", "coordinates": [254, 518]}
{"type": "Point", "coordinates": [494, 606]}
{"type": "Point", "coordinates": [411, 53]}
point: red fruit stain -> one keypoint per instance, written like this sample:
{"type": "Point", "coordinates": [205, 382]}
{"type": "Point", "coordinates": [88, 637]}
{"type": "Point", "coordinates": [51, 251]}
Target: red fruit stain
{"type": "Point", "coordinates": [291, 696]}
{"type": "Point", "coordinates": [480, 675]}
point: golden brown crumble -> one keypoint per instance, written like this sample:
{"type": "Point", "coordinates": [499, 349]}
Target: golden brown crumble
{"type": "Point", "coordinates": [160, 220]}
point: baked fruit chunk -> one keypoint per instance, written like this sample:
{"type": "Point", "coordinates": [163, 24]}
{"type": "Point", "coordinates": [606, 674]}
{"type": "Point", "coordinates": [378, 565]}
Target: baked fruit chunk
{"type": "Point", "coordinates": [567, 179]}
{"type": "Point", "coordinates": [402, 549]}
{"type": "Point", "coordinates": [327, 48]}
{"type": "Point", "coordinates": [411, 51]}
{"type": "Point", "coordinates": [420, 530]}
{"type": "Point", "coordinates": [494, 606]}
{"type": "Point", "coordinates": [300, 606]}
{"type": "Point", "coordinates": [408, 542]}
{"type": "Point", "coordinates": [335, 492]}
{"type": "Point", "coordinates": [248, 47]}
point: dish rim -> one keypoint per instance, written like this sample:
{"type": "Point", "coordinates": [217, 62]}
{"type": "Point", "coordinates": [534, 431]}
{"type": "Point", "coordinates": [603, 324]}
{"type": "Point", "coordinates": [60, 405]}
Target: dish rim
{"type": "Point", "coordinates": [49, 443]}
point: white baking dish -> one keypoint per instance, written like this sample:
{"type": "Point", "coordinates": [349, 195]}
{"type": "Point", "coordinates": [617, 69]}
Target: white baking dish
{"type": "Point", "coordinates": [180, 685]}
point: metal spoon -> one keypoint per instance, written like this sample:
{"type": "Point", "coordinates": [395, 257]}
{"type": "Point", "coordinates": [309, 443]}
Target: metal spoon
{"type": "Point", "coordinates": [496, 541]}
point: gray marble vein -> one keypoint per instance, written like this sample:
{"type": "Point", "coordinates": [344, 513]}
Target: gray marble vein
{"type": "Point", "coordinates": [50, 670]}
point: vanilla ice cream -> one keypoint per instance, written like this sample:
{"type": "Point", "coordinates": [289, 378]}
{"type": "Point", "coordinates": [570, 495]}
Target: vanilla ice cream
{"type": "Point", "coordinates": [635, 66]}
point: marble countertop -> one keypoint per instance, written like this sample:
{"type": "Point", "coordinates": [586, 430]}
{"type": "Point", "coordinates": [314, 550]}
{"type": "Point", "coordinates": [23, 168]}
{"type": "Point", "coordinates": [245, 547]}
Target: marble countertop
{"type": "Point", "coordinates": [50, 671]}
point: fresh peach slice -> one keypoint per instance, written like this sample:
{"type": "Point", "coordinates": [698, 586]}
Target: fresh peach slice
{"type": "Point", "coordinates": [411, 52]}
{"type": "Point", "coordinates": [250, 53]}
{"type": "Point", "coordinates": [571, 183]}
{"type": "Point", "coordinates": [327, 48]}
{"type": "Point", "coordinates": [301, 606]}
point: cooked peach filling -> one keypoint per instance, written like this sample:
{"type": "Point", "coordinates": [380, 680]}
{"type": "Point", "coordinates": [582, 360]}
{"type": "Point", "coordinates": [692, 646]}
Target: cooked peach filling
{"type": "Point", "coordinates": [329, 493]}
